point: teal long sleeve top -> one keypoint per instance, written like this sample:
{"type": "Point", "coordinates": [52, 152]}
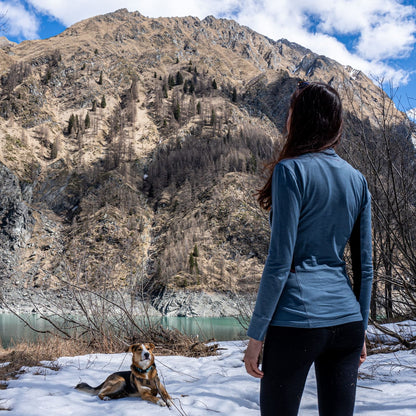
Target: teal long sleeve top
{"type": "Point", "coordinates": [319, 203]}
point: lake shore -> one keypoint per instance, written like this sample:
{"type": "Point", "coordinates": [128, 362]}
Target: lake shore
{"type": "Point", "coordinates": [183, 303]}
{"type": "Point", "coordinates": [208, 315]}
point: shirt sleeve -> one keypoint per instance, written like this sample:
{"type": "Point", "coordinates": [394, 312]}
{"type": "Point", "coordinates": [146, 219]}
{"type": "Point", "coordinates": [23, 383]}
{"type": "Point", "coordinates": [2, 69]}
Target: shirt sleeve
{"type": "Point", "coordinates": [286, 205]}
{"type": "Point", "coordinates": [361, 258]}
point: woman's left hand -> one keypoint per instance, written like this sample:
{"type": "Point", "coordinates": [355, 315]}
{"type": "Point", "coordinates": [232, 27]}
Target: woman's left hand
{"type": "Point", "coordinates": [252, 358]}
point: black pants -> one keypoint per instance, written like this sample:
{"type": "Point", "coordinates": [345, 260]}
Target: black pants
{"type": "Point", "coordinates": [288, 356]}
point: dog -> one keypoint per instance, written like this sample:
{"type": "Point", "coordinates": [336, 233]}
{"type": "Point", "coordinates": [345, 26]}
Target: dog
{"type": "Point", "coordinates": [142, 381]}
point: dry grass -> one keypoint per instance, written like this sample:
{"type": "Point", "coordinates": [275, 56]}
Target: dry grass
{"type": "Point", "coordinates": [42, 353]}
{"type": "Point", "coordinates": [45, 353]}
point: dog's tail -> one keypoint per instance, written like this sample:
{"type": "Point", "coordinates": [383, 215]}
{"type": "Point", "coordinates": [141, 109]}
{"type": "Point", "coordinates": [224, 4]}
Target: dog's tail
{"type": "Point", "coordinates": [86, 388]}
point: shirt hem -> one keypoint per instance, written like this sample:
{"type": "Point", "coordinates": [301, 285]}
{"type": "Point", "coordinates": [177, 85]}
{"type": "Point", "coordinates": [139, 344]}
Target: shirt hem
{"type": "Point", "coordinates": [317, 324]}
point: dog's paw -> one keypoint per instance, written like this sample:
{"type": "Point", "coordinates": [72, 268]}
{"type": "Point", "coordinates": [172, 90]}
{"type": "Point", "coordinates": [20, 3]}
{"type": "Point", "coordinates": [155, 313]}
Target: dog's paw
{"type": "Point", "coordinates": [161, 402]}
{"type": "Point", "coordinates": [169, 403]}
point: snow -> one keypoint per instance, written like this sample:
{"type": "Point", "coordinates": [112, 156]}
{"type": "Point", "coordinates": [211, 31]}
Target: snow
{"type": "Point", "coordinates": [354, 73]}
{"type": "Point", "coordinates": [200, 386]}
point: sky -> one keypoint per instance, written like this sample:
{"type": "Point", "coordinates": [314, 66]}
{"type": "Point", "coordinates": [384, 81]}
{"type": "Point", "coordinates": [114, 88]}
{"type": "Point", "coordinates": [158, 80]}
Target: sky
{"type": "Point", "coordinates": [377, 37]}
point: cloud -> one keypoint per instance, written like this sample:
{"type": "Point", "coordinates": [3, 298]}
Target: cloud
{"type": "Point", "coordinates": [71, 12]}
{"type": "Point", "coordinates": [397, 41]}
{"type": "Point", "coordinates": [315, 24]}
{"type": "Point", "coordinates": [384, 28]}
{"type": "Point", "coordinates": [20, 22]}
{"type": "Point", "coordinates": [412, 114]}
{"type": "Point", "coordinates": [378, 30]}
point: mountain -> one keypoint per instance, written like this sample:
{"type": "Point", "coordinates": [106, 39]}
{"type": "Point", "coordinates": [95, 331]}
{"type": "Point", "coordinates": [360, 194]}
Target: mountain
{"type": "Point", "coordinates": [131, 148]}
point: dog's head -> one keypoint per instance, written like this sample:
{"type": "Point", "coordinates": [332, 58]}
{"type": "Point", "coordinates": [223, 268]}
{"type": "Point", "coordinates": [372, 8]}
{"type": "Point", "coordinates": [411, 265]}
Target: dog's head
{"type": "Point", "coordinates": [142, 355]}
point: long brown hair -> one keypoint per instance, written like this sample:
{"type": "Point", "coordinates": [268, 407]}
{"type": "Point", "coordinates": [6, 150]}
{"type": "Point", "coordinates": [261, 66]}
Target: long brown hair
{"type": "Point", "coordinates": [315, 124]}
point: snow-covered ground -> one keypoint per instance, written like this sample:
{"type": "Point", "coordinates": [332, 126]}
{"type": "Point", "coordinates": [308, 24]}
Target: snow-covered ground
{"type": "Point", "coordinates": [200, 386]}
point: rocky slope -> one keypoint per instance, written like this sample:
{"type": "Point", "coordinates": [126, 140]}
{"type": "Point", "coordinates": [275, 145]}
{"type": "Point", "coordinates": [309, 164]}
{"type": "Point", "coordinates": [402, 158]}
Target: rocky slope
{"type": "Point", "coordinates": [130, 148]}
{"type": "Point", "coordinates": [15, 217]}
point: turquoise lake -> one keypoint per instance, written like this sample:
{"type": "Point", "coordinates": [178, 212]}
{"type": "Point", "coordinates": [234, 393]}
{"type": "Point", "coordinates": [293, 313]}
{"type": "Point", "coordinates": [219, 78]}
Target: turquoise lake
{"type": "Point", "coordinates": [12, 329]}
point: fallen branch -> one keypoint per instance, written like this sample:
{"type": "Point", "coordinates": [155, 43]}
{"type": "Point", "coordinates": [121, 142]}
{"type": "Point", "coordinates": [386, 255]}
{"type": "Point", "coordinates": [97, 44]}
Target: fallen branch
{"type": "Point", "coordinates": [403, 341]}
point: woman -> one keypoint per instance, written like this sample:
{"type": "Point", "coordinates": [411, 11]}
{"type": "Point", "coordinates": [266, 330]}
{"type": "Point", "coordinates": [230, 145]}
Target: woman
{"type": "Point", "coordinates": [307, 310]}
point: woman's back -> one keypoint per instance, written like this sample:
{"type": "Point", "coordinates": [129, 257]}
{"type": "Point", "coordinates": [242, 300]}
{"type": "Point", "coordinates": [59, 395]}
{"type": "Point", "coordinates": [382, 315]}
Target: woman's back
{"type": "Point", "coordinates": [332, 195]}
{"type": "Point", "coordinates": [327, 199]}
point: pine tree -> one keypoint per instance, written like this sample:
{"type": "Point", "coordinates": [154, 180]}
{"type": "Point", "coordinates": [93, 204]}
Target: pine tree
{"type": "Point", "coordinates": [100, 81]}
{"type": "Point", "coordinates": [103, 102]}
{"type": "Point", "coordinates": [213, 117]}
{"type": "Point", "coordinates": [177, 111]}
{"type": "Point", "coordinates": [198, 107]}
{"type": "Point", "coordinates": [191, 263]}
{"type": "Point", "coordinates": [214, 84]}
{"type": "Point", "coordinates": [171, 81]}
{"type": "Point", "coordinates": [234, 97]}
{"type": "Point", "coordinates": [87, 121]}
{"type": "Point", "coordinates": [179, 78]}
{"type": "Point", "coordinates": [165, 91]}
{"type": "Point", "coordinates": [191, 88]}
{"type": "Point", "coordinates": [71, 123]}
{"type": "Point", "coordinates": [94, 105]}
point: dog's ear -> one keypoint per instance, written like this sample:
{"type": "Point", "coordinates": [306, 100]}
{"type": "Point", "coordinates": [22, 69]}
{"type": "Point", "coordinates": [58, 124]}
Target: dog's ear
{"type": "Point", "coordinates": [132, 348]}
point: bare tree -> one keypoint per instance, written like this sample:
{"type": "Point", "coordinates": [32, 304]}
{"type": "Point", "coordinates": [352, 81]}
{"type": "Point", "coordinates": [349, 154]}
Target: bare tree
{"type": "Point", "coordinates": [4, 23]}
{"type": "Point", "coordinates": [379, 144]}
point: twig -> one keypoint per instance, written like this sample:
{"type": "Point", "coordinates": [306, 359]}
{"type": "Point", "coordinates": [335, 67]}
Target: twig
{"type": "Point", "coordinates": [368, 388]}
{"type": "Point", "coordinates": [176, 371]}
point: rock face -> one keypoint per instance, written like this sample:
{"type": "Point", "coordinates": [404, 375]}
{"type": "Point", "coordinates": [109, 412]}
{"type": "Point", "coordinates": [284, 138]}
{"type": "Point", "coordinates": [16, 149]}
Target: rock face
{"type": "Point", "coordinates": [188, 304]}
{"type": "Point", "coordinates": [15, 218]}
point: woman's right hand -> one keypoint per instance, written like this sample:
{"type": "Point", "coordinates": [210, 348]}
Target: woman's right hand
{"type": "Point", "coordinates": [363, 355]}
{"type": "Point", "coordinates": [252, 358]}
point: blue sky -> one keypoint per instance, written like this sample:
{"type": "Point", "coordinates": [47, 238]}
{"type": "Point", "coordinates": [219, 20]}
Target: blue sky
{"type": "Point", "coordinates": [375, 36]}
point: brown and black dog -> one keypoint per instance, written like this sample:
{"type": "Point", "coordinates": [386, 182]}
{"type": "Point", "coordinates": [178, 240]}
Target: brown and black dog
{"type": "Point", "coordinates": [142, 381]}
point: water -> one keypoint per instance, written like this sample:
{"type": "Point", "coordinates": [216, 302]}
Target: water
{"type": "Point", "coordinates": [12, 329]}
{"type": "Point", "coordinates": [222, 329]}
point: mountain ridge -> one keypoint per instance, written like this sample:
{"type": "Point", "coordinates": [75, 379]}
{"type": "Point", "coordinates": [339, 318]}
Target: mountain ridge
{"type": "Point", "coordinates": [155, 190]}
